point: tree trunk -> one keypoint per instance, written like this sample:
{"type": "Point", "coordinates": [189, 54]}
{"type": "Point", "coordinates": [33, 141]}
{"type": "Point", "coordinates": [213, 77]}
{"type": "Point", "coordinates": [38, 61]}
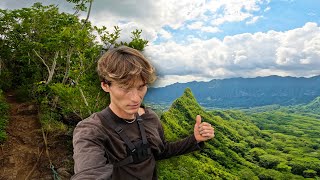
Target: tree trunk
{"type": "Point", "coordinates": [85, 100]}
{"type": "Point", "coordinates": [66, 74]}
{"type": "Point", "coordinates": [88, 14]}
{"type": "Point", "coordinates": [53, 67]}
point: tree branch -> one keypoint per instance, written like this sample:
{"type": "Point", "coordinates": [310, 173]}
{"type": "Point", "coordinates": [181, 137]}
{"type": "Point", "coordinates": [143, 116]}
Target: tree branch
{"type": "Point", "coordinates": [89, 11]}
{"type": "Point", "coordinates": [42, 60]}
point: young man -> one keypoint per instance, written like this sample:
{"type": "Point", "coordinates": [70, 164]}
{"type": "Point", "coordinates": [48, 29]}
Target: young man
{"type": "Point", "coordinates": [124, 140]}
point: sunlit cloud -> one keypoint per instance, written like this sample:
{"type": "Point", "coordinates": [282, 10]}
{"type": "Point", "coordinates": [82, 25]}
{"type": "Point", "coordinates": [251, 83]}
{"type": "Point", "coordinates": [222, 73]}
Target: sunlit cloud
{"type": "Point", "coordinates": [244, 55]}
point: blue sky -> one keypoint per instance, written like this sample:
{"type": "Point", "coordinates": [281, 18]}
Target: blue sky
{"type": "Point", "coordinates": [213, 39]}
{"type": "Point", "coordinates": [280, 15]}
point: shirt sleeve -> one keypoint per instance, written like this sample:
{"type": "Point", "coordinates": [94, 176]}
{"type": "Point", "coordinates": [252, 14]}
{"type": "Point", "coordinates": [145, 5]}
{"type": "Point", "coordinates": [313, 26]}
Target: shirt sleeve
{"type": "Point", "coordinates": [180, 147]}
{"type": "Point", "coordinates": [90, 160]}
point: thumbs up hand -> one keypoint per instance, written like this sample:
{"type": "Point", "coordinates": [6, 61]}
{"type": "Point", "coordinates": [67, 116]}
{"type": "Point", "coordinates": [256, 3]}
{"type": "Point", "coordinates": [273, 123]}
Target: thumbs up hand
{"type": "Point", "coordinates": [202, 131]}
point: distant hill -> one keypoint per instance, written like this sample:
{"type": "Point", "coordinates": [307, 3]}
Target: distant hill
{"type": "Point", "coordinates": [242, 92]}
{"type": "Point", "coordinates": [313, 106]}
{"type": "Point", "coordinates": [311, 109]}
{"type": "Point", "coordinates": [268, 145]}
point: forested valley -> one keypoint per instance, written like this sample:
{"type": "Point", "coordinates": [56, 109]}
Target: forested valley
{"type": "Point", "coordinates": [48, 59]}
{"type": "Point", "coordinates": [249, 144]}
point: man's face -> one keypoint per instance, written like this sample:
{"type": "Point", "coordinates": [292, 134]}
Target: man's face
{"type": "Point", "coordinates": [125, 102]}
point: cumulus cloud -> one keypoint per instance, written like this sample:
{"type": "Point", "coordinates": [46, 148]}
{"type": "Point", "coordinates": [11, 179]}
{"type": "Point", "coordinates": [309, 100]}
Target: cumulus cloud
{"type": "Point", "coordinates": [153, 16]}
{"type": "Point", "coordinates": [64, 6]}
{"type": "Point", "coordinates": [295, 52]}
{"type": "Point", "coordinates": [165, 34]}
{"type": "Point", "coordinates": [234, 10]}
{"type": "Point", "coordinates": [127, 28]}
{"type": "Point", "coordinates": [152, 13]}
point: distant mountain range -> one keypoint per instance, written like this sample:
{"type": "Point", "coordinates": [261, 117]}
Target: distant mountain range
{"type": "Point", "coordinates": [242, 92]}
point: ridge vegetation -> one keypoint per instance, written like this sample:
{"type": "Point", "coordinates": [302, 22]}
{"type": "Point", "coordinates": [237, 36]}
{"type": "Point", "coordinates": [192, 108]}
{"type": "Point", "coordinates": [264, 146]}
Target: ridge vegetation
{"type": "Point", "coordinates": [264, 145]}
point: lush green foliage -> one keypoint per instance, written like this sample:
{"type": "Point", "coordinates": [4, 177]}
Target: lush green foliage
{"type": "Point", "coordinates": [51, 57]}
{"type": "Point", "coordinates": [4, 111]}
{"type": "Point", "coordinates": [267, 145]}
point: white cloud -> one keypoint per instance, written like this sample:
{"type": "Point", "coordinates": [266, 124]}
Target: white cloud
{"type": "Point", "coordinates": [165, 34]}
{"type": "Point", "coordinates": [305, 61]}
{"type": "Point", "coordinates": [170, 79]}
{"type": "Point", "coordinates": [195, 25]}
{"type": "Point", "coordinates": [267, 9]}
{"type": "Point", "coordinates": [200, 26]}
{"type": "Point", "coordinates": [210, 29]}
{"type": "Point", "coordinates": [153, 16]}
{"type": "Point", "coordinates": [267, 72]}
{"type": "Point", "coordinates": [295, 52]}
{"type": "Point", "coordinates": [151, 13]}
{"type": "Point", "coordinates": [17, 4]}
{"type": "Point", "coordinates": [126, 29]}
{"type": "Point", "coordinates": [234, 10]}
{"type": "Point", "coordinates": [254, 19]}
{"type": "Point", "coordinates": [285, 55]}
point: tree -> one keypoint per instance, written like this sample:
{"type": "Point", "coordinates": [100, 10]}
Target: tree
{"type": "Point", "coordinates": [269, 161]}
{"type": "Point", "coordinates": [80, 5]}
{"type": "Point", "coordinates": [110, 40]}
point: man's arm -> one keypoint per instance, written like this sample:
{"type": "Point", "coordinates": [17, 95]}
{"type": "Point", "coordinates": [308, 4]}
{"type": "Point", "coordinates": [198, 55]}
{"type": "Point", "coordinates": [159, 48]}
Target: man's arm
{"type": "Point", "coordinates": [202, 132]}
{"type": "Point", "coordinates": [90, 161]}
{"type": "Point", "coordinates": [180, 147]}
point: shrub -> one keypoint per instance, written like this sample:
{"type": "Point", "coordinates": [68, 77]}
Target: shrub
{"type": "Point", "coordinates": [4, 111]}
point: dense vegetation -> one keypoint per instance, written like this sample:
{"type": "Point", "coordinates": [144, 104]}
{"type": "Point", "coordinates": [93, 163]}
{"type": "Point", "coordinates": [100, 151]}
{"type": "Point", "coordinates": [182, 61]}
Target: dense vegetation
{"type": "Point", "coordinates": [267, 145]}
{"type": "Point", "coordinates": [50, 57]}
{"type": "Point", "coordinates": [4, 111]}
{"type": "Point", "coordinates": [242, 92]}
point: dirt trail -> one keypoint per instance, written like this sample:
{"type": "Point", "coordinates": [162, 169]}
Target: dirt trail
{"type": "Point", "coordinates": [23, 154]}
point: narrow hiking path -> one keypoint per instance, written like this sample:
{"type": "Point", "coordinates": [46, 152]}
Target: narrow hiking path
{"type": "Point", "coordinates": [23, 155]}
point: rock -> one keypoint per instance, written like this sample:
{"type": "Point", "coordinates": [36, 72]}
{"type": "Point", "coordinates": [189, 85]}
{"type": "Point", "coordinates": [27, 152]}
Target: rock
{"type": "Point", "coordinates": [27, 109]}
{"type": "Point", "coordinates": [11, 160]}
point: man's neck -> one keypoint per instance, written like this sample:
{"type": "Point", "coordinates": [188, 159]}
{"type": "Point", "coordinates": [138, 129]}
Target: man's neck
{"type": "Point", "coordinates": [120, 113]}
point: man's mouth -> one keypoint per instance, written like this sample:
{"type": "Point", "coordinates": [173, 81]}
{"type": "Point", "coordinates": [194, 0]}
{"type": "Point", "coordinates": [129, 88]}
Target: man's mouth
{"type": "Point", "coordinates": [134, 106]}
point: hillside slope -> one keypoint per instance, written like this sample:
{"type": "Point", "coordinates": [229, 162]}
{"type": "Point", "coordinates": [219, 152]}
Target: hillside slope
{"type": "Point", "coordinates": [240, 148]}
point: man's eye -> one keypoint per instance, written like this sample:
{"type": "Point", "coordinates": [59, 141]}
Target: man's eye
{"type": "Point", "coordinates": [141, 87]}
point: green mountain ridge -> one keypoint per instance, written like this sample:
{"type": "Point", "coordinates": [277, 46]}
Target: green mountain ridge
{"type": "Point", "coordinates": [313, 106]}
{"type": "Point", "coordinates": [242, 148]}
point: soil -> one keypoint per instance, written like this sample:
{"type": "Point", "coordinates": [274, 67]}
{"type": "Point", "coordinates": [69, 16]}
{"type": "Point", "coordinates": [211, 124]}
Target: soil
{"type": "Point", "coordinates": [24, 156]}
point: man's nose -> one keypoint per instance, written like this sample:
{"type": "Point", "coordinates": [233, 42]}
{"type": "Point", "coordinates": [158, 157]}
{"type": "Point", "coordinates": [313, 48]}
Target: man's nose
{"type": "Point", "coordinates": [135, 95]}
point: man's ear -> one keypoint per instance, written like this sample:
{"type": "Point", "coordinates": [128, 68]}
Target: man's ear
{"type": "Point", "coordinates": [105, 87]}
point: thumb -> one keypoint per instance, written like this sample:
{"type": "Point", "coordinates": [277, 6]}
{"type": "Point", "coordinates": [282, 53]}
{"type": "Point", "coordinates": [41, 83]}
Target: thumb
{"type": "Point", "coordinates": [198, 120]}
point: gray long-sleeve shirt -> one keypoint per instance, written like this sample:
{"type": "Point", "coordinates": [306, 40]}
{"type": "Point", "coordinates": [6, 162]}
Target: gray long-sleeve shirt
{"type": "Point", "coordinates": [96, 147]}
